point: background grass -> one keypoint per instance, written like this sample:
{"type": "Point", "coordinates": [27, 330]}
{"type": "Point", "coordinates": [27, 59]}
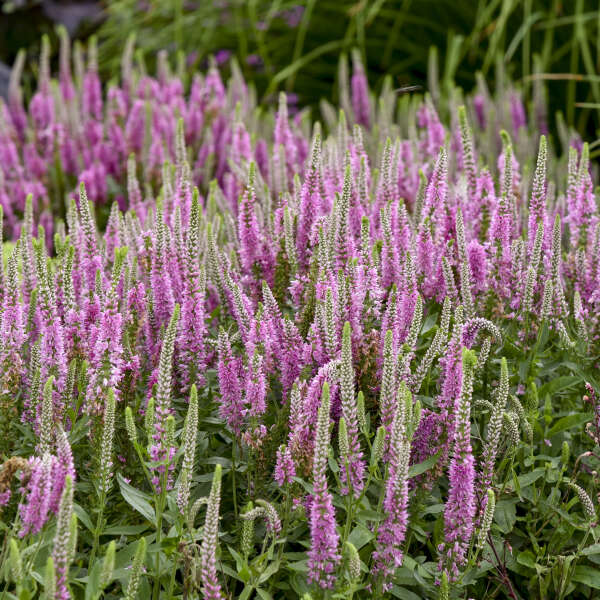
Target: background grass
{"type": "Point", "coordinates": [295, 45]}
{"type": "Point", "coordinates": [555, 41]}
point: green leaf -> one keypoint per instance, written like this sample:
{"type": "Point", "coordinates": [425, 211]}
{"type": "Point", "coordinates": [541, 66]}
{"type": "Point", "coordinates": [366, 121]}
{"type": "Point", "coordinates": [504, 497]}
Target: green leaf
{"type": "Point", "coordinates": [568, 422]}
{"type": "Point", "coordinates": [591, 550]}
{"type": "Point", "coordinates": [558, 384]}
{"type": "Point", "coordinates": [246, 592]}
{"type": "Point", "coordinates": [203, 478]}
{"type": "Point", "coordinates": [245, 574]}
{"type": "Point", "coordinates": [506, 515]}
{"type": "Point", "coordinates": [299, 584]}
{"type": "Point", "coordinates": [270, 570]}
{"type": "Point", "coordinates": [423, 466]}
{"type": "Point", "coordinates": [371, 515]}
{"type": "Point", "coordinates": [137, 499]}
{"type": "Point", "coordinates": [434, 509]}
{"type": "Point", "coordinates": [307, 486]}
{"type": "Point", "coordinates": [360, 536]}
{"type": "Point", "coordinates": [212, 421]}
{"type": "Point", "coordinates": [430, 322]}
{"type": "Point", "coordinates": [229, 571]}
{"type": "Point", "coordinates": [300, 566]}
{"type": "Point", "coordinates": [517, 483]}
{"type": "Point", "coordinates": [588, 576]}
{"type": "Point", "coordinates": [264, 594]}
{"type": "Point", "coordinates": [333, 465]}
{"type": "Point", "coordinates": [528, 478]}
{"type": "Point", "coordinates": [216, 460]}
{"type": "Point", "coordinates": [239, 561]}
{"type": "Point", "coordinates": [83, 516]}
{"type": "Point", "coordinates": [527, 559]}
{"type": "Point", "coordinates": [404, 576]}
{"type": "Point", "coordinates": [92, 588]}
{"type": "Point", "coordinates": [404, 594]}
{"type": "Point", "coordinates": [125, 529]}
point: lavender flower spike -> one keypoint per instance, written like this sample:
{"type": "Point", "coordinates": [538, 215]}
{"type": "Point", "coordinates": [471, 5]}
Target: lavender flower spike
{"type": "Point", "coordinates": [353, 462]}
{"type": "Point", "coordinates": [323, 555]}
{"type": "Point", "coordinates": [190, 433]}
{"type": "Point", "coordinates": [160, 451]}
{"type": "Point", "coordinates": [392, 531]}
{"type": "Point", "coordinates": [106, 448]}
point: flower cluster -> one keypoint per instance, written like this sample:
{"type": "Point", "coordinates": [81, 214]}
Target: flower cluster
{"type": "Point", "coordinates": [43, 488]}
{"type": "Point", "coordinates": [305, 264]}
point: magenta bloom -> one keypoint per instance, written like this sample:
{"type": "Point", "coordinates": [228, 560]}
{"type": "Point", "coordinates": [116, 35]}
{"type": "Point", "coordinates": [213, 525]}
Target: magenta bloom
{"type": "Point", "coordinates": [460, 507]}
{"type": "Point", "coordinates": [285, 470]}
{"type": "Point", "coordinates": [44, 486]}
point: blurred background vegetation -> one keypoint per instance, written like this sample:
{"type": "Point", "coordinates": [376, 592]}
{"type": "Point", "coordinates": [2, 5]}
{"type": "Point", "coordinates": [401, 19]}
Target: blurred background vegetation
{"type": "Point", "coordinates": [295, 45]}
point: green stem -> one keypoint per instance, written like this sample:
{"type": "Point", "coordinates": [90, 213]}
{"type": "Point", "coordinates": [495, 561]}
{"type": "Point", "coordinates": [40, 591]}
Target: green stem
{"type": "Point", "coordinates": [34, 555]}
{"type": "Point", "coordinates": [365, 488]}
{"type": "Point", "coordinates": [233, 469]}
{"type": "Point", "coordinates": [160, 507]}
{"type": "Point", "coordinates": [98, 527]}
{"type": "Point", "coordinates": [535, 348]}
{"type": "Point", "coordinates": [349, 506]}
{"type": "Point", "coordinates": [138, 450]}
{"type": "Point", "coordinates": [284, 534]}
{"type": "Point", "coordinates": [286, 518]}
{"type": "Point", "coordinates": [379, 506]}
{"type": "Point", "coordinates": [172, 582]}
{"type": "Point", "coordinates": [571, 568]}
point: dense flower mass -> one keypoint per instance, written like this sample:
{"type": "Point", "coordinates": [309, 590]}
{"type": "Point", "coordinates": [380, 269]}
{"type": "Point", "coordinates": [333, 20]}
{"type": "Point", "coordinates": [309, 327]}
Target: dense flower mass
{"type": "Point", "coordinates": [305, 281]}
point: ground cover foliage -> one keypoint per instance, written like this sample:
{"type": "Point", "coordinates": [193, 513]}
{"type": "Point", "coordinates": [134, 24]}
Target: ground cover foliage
{"type": "Point", "coordinates": [257, 355]}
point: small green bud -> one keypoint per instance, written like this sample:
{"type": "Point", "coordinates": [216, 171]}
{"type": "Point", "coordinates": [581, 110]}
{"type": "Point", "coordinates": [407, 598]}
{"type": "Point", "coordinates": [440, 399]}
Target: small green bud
{"type": "Point", "coordinates": [360, 409]}
{"type": "Point", "coordinates": [170, 432]}
{"type": "Point", "coordinates": [343, 441]}
{"type": "Point", "coordinates": [136, 570]}
{"type": "Point", "coordinates": [417, 409]}
{"type": "Point", "coordinates": [444, 593]}
{"type": "Point", "coordinates": [108, 565]}
{"type": "Point", "coordinates": [16, 564]}
{"type": "Point", "coordinates": [378, 446]}
{"type": "Point", "coordinates": [49, 580]}
{"type": "Point", "coordinates": [247, 532]}
{"type": "Point", "coordinates": [585, 500]}
{"type": "Point", "coordinates": [407, 396]}
{"type": "Point", "coordinates": [469, 359]}
{"type": "Point", "coordinates": [488, 517]}
{"type": "Point", "coordinates": [325, 393]}
{"type": "Point", "coordinates": [130, 425]}
{"type": "Point", "coordinates": [511, 422]}
{"type": "Point", "coordinates": [72, 538]}
{"type": "Point", "coordinates": [565, 454]}
{"type": "Point", "coordinates": [353, 561]}
{"type": "Point", "coordinates": [531, 399]}
{"type": "Point", "coordinates": [149, 419]}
